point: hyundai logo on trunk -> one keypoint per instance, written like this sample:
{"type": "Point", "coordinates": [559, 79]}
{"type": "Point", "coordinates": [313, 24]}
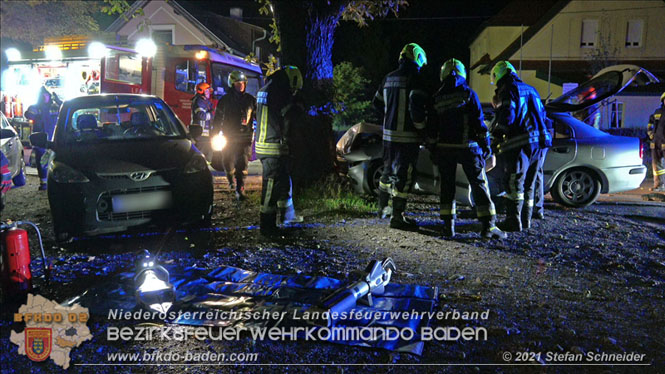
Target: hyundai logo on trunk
{"type": "Point", "coordinates": [139, 176]}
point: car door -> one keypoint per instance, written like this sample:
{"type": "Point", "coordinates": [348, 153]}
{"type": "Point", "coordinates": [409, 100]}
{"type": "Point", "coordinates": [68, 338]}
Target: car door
{"type": "Point", "coordinates": [563, 151]}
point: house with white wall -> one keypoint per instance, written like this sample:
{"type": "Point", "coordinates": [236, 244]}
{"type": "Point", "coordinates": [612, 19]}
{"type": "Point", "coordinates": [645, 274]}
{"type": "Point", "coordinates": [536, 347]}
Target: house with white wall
{"type": "Point", "coordinates": [567, 41]}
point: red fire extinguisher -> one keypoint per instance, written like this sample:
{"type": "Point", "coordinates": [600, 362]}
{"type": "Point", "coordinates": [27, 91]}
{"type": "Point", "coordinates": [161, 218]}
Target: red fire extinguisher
{"type": "Point", "coordinates": [16, 276]}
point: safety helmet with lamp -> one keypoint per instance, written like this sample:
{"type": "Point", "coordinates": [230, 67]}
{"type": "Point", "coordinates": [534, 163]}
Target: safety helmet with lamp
{"type": "Point", "coordinates": [452, 66]}
{"type": "Point", "coordinates": [236, 76]}
{"type": "Point", "coordinates": [413, 52]}
{"type": "Point", "coordinates": [202, 87]}
{"type": "Point", "coordinates": [500, 70]}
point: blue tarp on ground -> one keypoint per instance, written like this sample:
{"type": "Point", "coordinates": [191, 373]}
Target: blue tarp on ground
{"type": "Point", "coordinates": [229, 288]}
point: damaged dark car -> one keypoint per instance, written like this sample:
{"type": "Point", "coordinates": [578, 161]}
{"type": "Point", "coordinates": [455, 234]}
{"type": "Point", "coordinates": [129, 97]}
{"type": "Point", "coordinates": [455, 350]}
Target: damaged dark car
{"type": "Point", "coordinates": [120, 161]}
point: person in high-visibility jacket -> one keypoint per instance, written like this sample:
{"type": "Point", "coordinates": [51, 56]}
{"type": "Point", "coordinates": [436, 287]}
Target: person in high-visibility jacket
{"type": "Point", "coordinates": [277, 110]}
{"type": "Point", "coordinates": [234, 117]}
{"type": "Point", "coordinates": [656, 132]}
{"type": "Point", "coordinates": [520, 132]}
{"type": "Point", "coordinates": [461, 137]}
{"type": "Point", "coordinates": [202, 114]}
{"type": "Point", "coordinates": [403, 99]}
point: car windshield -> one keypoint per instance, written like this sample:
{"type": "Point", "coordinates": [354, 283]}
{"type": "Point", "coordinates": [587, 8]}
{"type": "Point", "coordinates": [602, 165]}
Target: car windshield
{"type": "Point", "coordinates": [119, 118]}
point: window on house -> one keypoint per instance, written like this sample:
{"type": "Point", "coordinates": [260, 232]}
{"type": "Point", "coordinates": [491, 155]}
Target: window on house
{"type": "Point", "coordinates": [236, 13]}
{"type": "Point", "coordinates": [589, 33]}
{"type": "Point", "coordinates": [162, 37]}
{"type": "Point", "coordinates": [616, 115]}
{"type": "Point", "coordinates": [634, 33]}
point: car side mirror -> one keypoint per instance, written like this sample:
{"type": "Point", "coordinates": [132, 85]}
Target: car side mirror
{"type": "Point", "coordinates": [39, 139]}
{"type": "Point", "coordinates": [6, 133]}
{"type": "Point", "coordinates": [195, 131]}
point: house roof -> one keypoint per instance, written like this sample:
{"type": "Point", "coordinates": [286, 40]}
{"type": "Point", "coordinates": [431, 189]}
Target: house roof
{"type": "Point", "coordinates": [520, 12]}
{"type": "Point", "coordinates": [127, 16]}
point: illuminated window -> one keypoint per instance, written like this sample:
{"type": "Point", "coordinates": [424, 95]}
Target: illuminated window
{"type": "Point", "coordinates": [616, 115]}
{"type": "Point", "coordinates": [589, 33]}
{"type": "Point", "coordinates": [188, 74]}
{"type": "Point", "coordinates": [634, 33]}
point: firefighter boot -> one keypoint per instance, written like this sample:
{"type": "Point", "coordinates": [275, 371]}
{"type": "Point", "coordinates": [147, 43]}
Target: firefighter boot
{"type": "Point", "coordinates": [527, 212]}
{"type": "Point", "coordinates": [398, 221]}
{"type": "Point", "coordinates": [288, 215]}
{"type": "Point", "coordinates": [449, 228]}
{"type": "Point", "coordinates": [490, 231]}
{"type": "Point", "coordinates": [267, 224]}
{"type": "Point", "coordinates": [513, 221]}
{"type": "Point", "coordinates": [240, 194]}
{"type": "Point", "coordinates": [384, 210]}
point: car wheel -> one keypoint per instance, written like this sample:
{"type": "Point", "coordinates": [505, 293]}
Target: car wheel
{"type": "Point", "coordinates": [373, 176]}
{"type": "Point", "coordinates": [576, 188]}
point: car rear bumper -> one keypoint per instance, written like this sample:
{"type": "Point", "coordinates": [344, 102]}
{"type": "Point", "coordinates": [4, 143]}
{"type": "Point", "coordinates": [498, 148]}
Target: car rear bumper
{"type": "Point", "coordinates": [87, 208]}
{"type": "Point", "coordinates": [624, 178]}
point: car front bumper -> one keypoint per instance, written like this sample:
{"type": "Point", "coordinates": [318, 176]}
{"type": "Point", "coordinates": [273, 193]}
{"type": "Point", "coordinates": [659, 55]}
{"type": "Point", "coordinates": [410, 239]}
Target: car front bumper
{"type": "Point", "coordinates": [87, 208]}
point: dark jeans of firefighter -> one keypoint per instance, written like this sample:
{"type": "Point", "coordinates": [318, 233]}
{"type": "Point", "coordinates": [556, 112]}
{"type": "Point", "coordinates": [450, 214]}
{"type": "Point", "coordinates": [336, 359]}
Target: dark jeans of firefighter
{"type": "Point", "coordinates": [474, 168]}
{"type": "Point", "coordinates": [658, 166]}
{"type": "Point", "coordinates": [521, 167]}
{"type": "Point", "coordinates": [276, 183]}
{"type": "Point", "coordinates": [399, 167]}
{"type": "Point", "coordinates": [42, 170]}
{"type": "Point", "coordinates": [539, 203]}
{"type": "Point", "coordinates": [236, 159]}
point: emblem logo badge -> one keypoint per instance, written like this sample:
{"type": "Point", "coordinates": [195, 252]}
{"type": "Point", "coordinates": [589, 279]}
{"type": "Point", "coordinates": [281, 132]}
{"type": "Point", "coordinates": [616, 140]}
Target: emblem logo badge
{"type": "Point", "coordinates": [38, 343]}
{"type": "Point", "coordinates": [139, 176]}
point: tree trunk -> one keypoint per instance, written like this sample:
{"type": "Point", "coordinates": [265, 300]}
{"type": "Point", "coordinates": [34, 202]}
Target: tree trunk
{"type": "Point", "coordinates": [307, 36]}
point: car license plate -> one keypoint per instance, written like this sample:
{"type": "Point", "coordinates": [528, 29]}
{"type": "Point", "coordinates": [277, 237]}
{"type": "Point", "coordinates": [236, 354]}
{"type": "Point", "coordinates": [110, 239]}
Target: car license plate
{"type": "Point", "coordinates": [142, 201]}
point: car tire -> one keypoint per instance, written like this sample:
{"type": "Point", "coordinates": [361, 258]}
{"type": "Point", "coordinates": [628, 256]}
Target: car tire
{"type": "Point", "coordinates": [372, 176]}
{"type": "Point", "coordinates": [576, 188]}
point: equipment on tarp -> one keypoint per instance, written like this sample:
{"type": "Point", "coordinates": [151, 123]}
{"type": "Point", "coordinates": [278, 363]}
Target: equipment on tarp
{"type": "Point", "coordinates": [345, 299]}
{"type": "Point", "coordinates": [153, 290]}
{"type": "Point", "coordinates": [16, 274]}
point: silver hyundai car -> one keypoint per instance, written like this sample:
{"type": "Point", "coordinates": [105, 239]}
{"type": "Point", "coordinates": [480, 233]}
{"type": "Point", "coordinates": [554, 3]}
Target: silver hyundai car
{"type": "Point", "coordinates": [582, 163]}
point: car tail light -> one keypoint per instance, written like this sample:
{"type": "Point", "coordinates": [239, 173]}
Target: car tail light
{"type": "Point", "coordinates": [641, 149]}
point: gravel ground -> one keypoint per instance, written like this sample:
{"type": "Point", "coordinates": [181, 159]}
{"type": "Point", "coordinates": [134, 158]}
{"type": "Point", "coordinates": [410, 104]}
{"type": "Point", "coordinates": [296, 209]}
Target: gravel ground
{"type": "Point", "coordinates": [582, 280]}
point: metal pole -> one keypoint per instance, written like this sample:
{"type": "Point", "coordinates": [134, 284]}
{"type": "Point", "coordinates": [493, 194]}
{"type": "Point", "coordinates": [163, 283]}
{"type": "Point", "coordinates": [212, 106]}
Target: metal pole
{"type": "Point", "coordinates": [521, 45]}
{"type": "Point", "coordinates": [549, 72]}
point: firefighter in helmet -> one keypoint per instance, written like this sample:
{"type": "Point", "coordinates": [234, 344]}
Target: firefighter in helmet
{"type": "Point", "coordinates": [202, 112]}
{"type": "Point", "coordinates": [461, 137]}
{"type": "Point", "coordinates": [403, 100]}
{"type": "Point", "coordinates": [277, 111]}
{"type": "Point", "coordinates": [234, 117]}
{"type": "Point", "coordinates": [44, 114]}
{"type": "Point", "coordinates": [520, 132]}
{"type": "Point", "coordinates": [656, 132]}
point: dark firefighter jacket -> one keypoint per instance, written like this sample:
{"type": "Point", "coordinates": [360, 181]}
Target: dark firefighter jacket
{"type": "Point", "coordinates": [234, 116]}
{"type": "Point", "coordinates": [275, 114]}
{"type": "Point", "coordinates": [520, 117]}
{"type": "Point", "coordinates": [403, 99]}
{"type": "Point", "coordinates": [200, 108]}
{"type": "Point", "coordinates": [44, 114]}
{"type": "Point", "coordinates": [656, 128]}
{"type": "Point", "coordinates": [459, 119]}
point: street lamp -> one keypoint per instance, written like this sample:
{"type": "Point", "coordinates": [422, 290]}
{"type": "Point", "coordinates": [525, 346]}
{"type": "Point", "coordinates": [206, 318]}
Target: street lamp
{"type": "Point", "coordinates": [97, 50]}
{"type": "Point", "coordinates": [146, 47]}
{"type": "Point", "coordinates": [13, 54]}
{"type": "Point", "coordinates": [153, 290]}
{"type": "Point", "coordinates": [52, 52]}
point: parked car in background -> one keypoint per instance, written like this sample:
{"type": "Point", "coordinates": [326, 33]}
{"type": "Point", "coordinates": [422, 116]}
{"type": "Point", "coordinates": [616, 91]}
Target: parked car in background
{"type": "Point", "coordinates": [12, 148]}
{"type": "Point", "coordinates": [122, 161]}
{"type": "Point", "coordinates": [582, 163]}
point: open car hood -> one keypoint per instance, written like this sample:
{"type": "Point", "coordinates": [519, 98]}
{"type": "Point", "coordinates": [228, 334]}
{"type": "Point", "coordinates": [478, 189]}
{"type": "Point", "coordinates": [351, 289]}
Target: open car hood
{"type": "Point", "coordinates": [355, 144]}
{"type": "Point", "coordinates": [605, 83]}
